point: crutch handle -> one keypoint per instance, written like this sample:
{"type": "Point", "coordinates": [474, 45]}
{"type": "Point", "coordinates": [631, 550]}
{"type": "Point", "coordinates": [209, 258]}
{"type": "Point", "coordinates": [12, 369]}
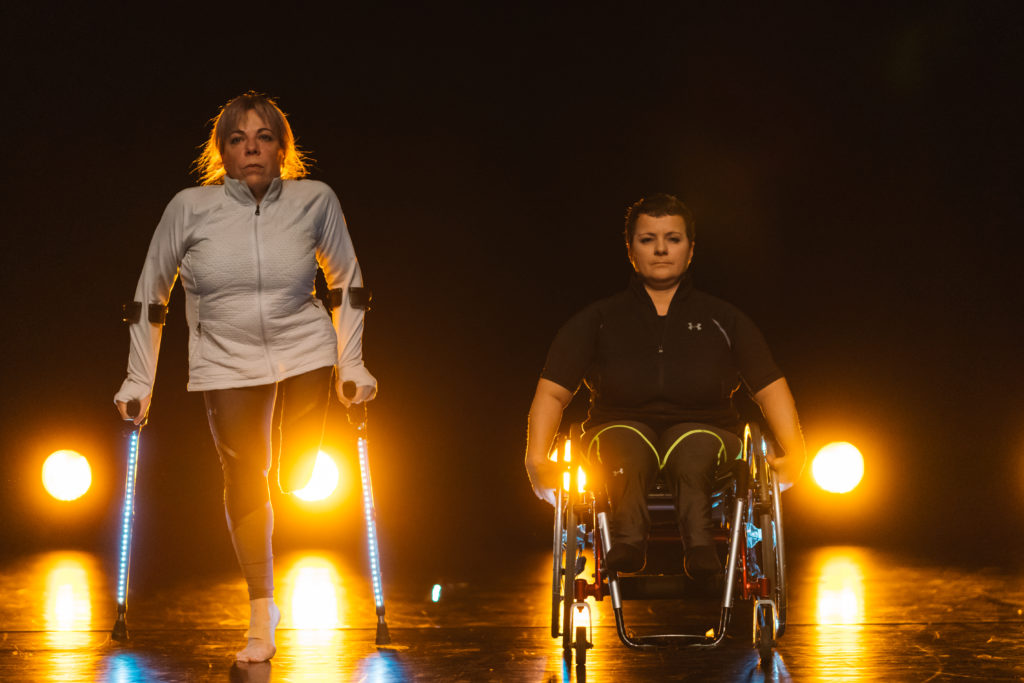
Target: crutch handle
{"type": "Point", "coordinates": [348, 389]}
{"type": "Point", "coordinates": [133, 408]}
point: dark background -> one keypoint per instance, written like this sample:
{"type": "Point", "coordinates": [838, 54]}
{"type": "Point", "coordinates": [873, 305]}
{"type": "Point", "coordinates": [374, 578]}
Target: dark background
{"type": "Point", "coordinates": [854, 169]}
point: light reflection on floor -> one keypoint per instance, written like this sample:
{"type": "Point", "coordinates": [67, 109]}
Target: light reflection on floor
{"type": "Point", "coordinates": [66, 611]}
{"type": "Point", "coordinates": [840, 595]}
{"type": "Point", "coordinates": [311, 594]}
{"type": "Point", "coordinates": [839, 601]}
{"type": "Point", "coordinates": [68, 600]}
{"type": "Point", "coordinates": [855, 614]}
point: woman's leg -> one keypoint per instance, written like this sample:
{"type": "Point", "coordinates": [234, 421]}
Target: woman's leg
{"type": "Point", "coordinates": [693, 452]}
{"type": "Point", "coordinates": [240, 423]}
{"type": "Point", "coordinates": [627, 455]}
{"type": "Point", "coordinates": [299, 417]}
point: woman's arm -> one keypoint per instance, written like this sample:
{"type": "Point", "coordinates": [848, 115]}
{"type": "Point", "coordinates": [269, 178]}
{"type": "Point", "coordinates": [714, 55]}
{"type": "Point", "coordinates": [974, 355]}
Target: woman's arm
{"type": "Point", "coordinates": [337, 258]}
{"type": "Point", "coordinates": [159, 273]}
{"type": "Point", "coordinates": [779, 409]}
{"type": "Point", "coordinates": [549, 401]}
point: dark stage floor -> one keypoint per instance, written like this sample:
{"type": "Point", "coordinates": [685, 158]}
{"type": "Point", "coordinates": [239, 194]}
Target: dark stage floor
{"type": "Point", "coordinates": [856, 615]}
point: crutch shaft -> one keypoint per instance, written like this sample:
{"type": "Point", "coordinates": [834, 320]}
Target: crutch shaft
{"type": "Point", "coordinates": [120, 630]}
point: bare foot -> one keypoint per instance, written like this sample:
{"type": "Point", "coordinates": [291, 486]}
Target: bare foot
{"type": "Point", "coordinates": [264, 617]}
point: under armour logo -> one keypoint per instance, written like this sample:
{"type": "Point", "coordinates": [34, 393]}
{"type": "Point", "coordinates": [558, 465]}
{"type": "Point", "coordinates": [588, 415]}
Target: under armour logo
{"type": "Point", "coordinates": [693, 326]}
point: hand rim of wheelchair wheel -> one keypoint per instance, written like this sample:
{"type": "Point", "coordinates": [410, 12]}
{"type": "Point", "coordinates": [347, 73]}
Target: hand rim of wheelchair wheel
{"type": "Point", "coordinates": [569, 570]}
{"type": "Point", "coordinates": [558, 546]}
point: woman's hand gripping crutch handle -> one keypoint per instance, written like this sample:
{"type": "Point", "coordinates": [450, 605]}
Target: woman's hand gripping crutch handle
{"type": "Point", "coordinates": [349, 391]}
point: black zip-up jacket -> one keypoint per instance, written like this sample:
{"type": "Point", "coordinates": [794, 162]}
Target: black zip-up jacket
{"type": "Point", "coordinates": [682, 367]}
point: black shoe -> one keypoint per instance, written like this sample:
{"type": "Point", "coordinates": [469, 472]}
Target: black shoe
{"type": "Point", "coordinates": [624, 557]}
{"type": "Point", "coordinates": [701, 563]}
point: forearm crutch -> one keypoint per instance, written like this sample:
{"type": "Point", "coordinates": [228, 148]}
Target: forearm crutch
{"type": "Point", "coordinates": [120, 630]}
{"type": "Point", "coordinates": [369, 511]}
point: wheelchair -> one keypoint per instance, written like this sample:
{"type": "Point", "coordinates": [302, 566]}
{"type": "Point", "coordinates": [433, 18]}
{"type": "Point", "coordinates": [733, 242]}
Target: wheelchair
{"type": "Point", "coordinates": [747, 513]}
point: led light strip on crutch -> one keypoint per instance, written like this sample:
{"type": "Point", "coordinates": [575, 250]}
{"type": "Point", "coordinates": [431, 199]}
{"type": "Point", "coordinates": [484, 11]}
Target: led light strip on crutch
{"type": "Point", "coordinates": [126, 519]}
{"type": "Point", "coordinates": [370, 514]}
{"type": "Point", "coordinates": [120, 630]}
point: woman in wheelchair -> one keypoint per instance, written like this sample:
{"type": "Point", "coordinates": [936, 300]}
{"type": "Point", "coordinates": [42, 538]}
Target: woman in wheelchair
{"type": "Point", "coordinates": [662, 361]}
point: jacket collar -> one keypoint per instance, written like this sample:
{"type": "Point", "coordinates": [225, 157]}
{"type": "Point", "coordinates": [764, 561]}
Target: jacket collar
{"type": "Point", "coordinates": [636, 284]}
{"type": "Point", "coordinates": [240, 192]}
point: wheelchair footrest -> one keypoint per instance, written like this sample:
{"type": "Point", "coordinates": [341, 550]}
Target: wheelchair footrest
{"type": "Point", "coordinates": [672, 639]}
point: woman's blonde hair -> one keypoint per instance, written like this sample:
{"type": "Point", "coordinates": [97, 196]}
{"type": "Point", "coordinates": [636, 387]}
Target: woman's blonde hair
{"type": "Point", "coordinates": [210, 165]}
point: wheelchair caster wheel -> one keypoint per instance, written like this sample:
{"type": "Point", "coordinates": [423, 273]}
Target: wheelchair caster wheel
{"type": "Point", "coordinates": [764, 633]}
{"type": "Point", "coordinates": [581, 645]}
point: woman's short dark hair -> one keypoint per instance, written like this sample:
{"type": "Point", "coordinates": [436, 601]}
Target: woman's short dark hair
{"type": "Point", "coordinates": [210, 166]}
{"type": "Point", "coordinates": [656, 206]}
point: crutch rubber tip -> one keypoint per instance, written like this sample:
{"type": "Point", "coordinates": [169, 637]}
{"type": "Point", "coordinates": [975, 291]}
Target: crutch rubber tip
{"type": "Point", "coordinates": [383, 635]}
{"type": "Point", "coordinates": [120, 630]}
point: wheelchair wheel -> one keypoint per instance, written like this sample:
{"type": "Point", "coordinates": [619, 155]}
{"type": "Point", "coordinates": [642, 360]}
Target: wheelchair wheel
{"type": "Point", "coordinates": [766, 522]}
{"type": "Point", "coordinates": [569, 572]}
{"type": "Point", "coordinates": [781, 586]}
{"type": "Point", "coordinates": [556, 571]}
{"type": "Point", "coordinates": [768, 517]}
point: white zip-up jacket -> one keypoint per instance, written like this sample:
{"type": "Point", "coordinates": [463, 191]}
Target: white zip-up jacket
{"type": "Point", "coordinates": [248, 272]}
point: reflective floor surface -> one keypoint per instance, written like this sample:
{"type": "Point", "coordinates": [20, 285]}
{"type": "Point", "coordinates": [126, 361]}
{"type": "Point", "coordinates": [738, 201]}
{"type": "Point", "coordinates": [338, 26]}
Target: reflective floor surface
{"type": "Point", "coordinates": [856, 614]}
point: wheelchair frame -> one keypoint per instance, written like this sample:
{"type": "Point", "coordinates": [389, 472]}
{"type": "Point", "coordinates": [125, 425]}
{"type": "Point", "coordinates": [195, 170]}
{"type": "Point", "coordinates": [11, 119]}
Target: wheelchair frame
{"type": "Point", "coordinates": [748, 507]}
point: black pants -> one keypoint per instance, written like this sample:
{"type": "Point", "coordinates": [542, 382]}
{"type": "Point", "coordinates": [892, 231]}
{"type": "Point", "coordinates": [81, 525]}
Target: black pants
{"type": "Point", "coordinates": [242, 422]}
{"type": "Point", "coordinates": [632, 453]}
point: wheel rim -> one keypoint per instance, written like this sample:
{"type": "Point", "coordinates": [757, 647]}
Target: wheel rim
{"type": "Point", "coordinates": [556, 552]}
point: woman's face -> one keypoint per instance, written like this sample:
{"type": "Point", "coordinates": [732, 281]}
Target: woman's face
{"type": "Point", "coordinates": [252, 153]}
{"type": "Point", "coordinates": [660, 250]}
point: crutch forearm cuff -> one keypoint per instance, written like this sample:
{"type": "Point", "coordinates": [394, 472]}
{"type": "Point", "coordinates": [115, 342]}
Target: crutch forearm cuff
{"type": "Point", "coordinates": [358, 297]}
{"type": "Point", "coordinates": [131, 312]}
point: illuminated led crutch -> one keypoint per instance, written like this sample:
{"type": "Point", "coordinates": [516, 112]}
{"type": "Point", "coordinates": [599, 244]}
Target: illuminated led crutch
{"type": "Point", "coordinates": [120, 630]}
{"type": "Point", "coordinates": [369, 513]}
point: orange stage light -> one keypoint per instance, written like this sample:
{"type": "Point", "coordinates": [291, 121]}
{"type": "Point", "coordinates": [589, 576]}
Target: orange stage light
{"type": "Point", "coordinates": [838, 467]}
{"type": "Point", "coordinates": [66, 475]}
{"type": "Point", "coordinates": [323, 481]}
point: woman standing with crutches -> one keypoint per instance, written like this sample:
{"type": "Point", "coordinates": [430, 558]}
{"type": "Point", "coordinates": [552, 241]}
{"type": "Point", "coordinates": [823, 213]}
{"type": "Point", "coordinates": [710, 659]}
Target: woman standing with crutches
{"type": "Point", "coordinates": [247, 244]}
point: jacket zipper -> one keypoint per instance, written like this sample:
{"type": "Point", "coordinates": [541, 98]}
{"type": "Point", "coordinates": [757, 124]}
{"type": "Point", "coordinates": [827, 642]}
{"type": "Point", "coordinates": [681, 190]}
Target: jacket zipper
{"type": "Point", "coordinates": [661, 360]}
{"type": "Point", "coordinates": [259, 290]}
{"type": "Point", "coordinates": [661, 342]}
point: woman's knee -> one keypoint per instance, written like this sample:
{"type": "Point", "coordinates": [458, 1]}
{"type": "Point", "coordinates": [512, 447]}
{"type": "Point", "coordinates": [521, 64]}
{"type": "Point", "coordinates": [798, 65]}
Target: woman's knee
{"type": "Point", "coordinates": [240, 425]}
{"type": "Point", "coordinates": [694, 451]}
{"type": "Point", "coordinates": [628, 445]}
